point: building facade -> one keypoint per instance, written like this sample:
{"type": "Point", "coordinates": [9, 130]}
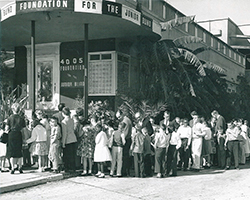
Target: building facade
{"type": "Point", "coordinates": [63, 47]}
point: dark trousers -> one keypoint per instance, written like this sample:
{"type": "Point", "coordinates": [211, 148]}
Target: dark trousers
{"type": "Point", "coordinates": [184, 154]}
{"type": "Point", "coordinates": [139, 164]}
{"type": "Point", "coordinates": [26, 157]}
{"type": "Point", "coordinates": [148, 165]}
{"type": "Point", "coordinates": [126, 159]}
{"type": "Point", "coordinates": [221, 153]}
{"type": "Point", "coordinates": [172, 159]}
{"type": "Point", "coordinates": [159, 159]}
{"type": "Point", "coordinates": [69, 156]}
{"type": "Point", "coordinates": [233, 152]}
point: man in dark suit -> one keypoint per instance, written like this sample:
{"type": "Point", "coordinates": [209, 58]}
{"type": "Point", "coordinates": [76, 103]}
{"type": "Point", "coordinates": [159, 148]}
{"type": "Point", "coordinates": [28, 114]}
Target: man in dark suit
{"type": "Point", "coordinates": [126, 163]}
{"type": "Point", "coordinates": [220, 128]}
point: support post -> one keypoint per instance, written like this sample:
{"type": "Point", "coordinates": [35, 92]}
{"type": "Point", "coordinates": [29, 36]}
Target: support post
{"type": "Point", "coordinates": [33, 65]}
{"type": "Point", "coordinates": [86, 62]}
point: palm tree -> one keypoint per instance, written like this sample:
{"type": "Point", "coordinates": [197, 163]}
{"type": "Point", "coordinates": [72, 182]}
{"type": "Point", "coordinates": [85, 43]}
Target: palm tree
{"type": "Point", "coordinates": [174, 75]}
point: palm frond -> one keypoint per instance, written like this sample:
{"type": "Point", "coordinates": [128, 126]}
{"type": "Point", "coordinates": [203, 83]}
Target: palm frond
{"type": "Point", "coordinates": [214, 67]}
{"type": "Point", "coordinates": [192, 59]}
{"type": "Point", "coordinates": [181, 41]}
{"type": "Point", "coordinates": [176, 22]}
{"type": "Point", "coordinates": [201, 49]}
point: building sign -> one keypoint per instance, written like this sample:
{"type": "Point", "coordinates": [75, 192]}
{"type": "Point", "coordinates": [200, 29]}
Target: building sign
{"type": "Point", "coordinates": [43, 5]}
{"type": "Point", "coordinates": [131, 14]}
{"type": "Point", "coordinates": [8, 11]}
{"type": "Point", "coordinates": [146, 22]}
{"type": "Point", "coordinates": [92, 6]}
{"type": "Point", "coordinates": [112, 8]}
{"type": "Point", "coordinates": [72, 69]}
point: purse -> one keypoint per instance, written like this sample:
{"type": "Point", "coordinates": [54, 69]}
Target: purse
{"type": "Point", "coordinates": [4, 138]}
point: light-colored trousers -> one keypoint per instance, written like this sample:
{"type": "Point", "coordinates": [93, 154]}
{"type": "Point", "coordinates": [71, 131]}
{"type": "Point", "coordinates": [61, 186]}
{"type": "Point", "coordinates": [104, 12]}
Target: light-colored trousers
{"type": "Point", "coordinates": [116, 158]}
{"type": "Point", "coordinates": [196, 152]}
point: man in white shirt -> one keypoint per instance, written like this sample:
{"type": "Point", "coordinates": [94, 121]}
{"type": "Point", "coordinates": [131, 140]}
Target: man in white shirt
{"type": "Point", "coordinates": [185, 133]}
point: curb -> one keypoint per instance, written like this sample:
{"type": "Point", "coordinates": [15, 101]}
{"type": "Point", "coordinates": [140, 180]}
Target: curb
{"type": "Point", "coordinates": [29, 183]}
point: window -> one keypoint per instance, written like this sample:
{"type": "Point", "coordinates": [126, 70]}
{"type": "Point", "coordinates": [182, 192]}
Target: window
{"type": "Point", "coordinates": [101, 73]}
{"type": "Point", "coordinates": [204, 37]}
{"type": "Point", "coordinates": [235, 56]}
{"type": "Point", "coordinates": [164, 12]}
{"type": "Point", "coordinates": [195, 31]}
{"type": "Point", "coordinates": [219, 46]}
{"type": "Point", "coordinates": [150, 5]}
{"type": "Point", "coordinates": [230, 53]}
{"type": "Point", "coordinates": [186, 27]}
{"type": "Point", "coordinates": [212, 41]}
{"type": "Point", "coordinates": [239, 59]}
{"type": "Point", "coordinates": [224, 49]}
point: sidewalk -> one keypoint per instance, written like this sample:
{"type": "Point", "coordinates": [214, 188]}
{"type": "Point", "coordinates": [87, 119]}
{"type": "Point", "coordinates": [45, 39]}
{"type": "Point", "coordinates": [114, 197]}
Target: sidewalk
{"type": "Point", "coordinates": [30, 177]}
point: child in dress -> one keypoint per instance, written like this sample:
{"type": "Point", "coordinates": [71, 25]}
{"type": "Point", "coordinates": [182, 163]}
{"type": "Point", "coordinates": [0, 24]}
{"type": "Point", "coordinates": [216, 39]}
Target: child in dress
{"type": "Point", "coordinates": [39, 136]}
{"type": "Point", "coordinates": [3, 149]}
{"type": "Point", "coordinates": [117, 142]}
{"type": "Point", "coordinates": [102, 153]}
{"type": "Point", "coordinates": [207, 145]}
{"type": "Point", "coordinates": [26, 134]}
{"type": "Point", "coordinates": [55, 144]}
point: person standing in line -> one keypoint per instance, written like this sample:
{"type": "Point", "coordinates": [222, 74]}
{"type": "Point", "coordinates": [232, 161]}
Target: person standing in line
{"type": "Point", "coordinates": [147, 152]}
{"type": "Point", "coordinates": [232, 146]}
{"type": "Point", "coordinates": [197, 135]}
{"type": "Point", "coordinates": [43, 118]}
{"type": "Point", "coordinates": [59, 114]}
{"type": "Point", "coordinates": [55, 144]}
{"type": "Point", "coordinates": [39, 138]}
{"type": "Point", "coordinates": [160, 145]}
{"type": "Point", "coordinates": [220, 129]}
{"type": "Point", "coordinates": [174, 145]}
{"type": "Point", "coordinates": [117, 141]}
{"type": "Point", "coordinates": [26, 134]}
{"type": "Point", "coordinates": [206, 145]}
{"type": "Point", "coordinates": [126, 164]}
{"type": "Point", "coordinates": [101, 153]}
{"type": "Point", "coordinates": [15, 123]}
{"type": "Point", "coordinates": [244, 144]}
{"type": "Point", "coordinates": [185, 133]}
{"type": "Point", "coordinates": [137, 147]}
{"type": "Point", "coordinates": [3, 148]}
{"type": "Point", "coordinates": [214, 143]}
{"type": "Point", "coordinates": [68, 141]}
{"type": "Point", "coordinates": [86, 146]}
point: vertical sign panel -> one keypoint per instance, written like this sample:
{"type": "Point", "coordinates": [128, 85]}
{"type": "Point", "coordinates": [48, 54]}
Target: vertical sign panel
{"type": "Point", "coordinates": [72, 70]}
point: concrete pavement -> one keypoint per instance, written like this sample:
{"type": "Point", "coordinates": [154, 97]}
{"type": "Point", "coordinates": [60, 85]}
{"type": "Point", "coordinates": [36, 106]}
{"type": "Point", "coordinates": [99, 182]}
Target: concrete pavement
{"type": "Point", "coordinates": [30, 177]}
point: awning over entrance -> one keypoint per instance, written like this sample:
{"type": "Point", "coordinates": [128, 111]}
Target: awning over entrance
{"type": "Point", "coordinates": [65, 21]}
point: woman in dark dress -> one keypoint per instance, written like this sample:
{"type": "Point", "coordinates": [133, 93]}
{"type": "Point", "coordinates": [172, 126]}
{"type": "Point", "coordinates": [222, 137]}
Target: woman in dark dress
{"type": "Point", "coordinates": [15, 123]}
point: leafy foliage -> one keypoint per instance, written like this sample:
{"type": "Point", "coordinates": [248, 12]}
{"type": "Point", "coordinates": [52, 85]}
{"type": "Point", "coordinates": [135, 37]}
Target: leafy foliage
{"type": "Point", "coordinates": [176, 22]}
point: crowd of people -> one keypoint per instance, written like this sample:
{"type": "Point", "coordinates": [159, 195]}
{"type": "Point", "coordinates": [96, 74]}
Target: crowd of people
{"type": "Point", "coordinates": [66, 143]}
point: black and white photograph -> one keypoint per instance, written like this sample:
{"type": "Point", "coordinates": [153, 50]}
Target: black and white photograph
{"type": "Point", "coordinates": [125, 99]}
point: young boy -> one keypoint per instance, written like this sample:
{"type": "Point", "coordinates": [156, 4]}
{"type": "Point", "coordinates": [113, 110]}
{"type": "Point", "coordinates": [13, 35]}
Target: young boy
{"type": "Point", "coordinates": [117, 142]}
{"type": "Point", "coordinates": [26, 134]}
{"type": "Point", "coordinates": [160, 145]}
{"type": "Point", "coordinates": [147, 152]}
{"type": "Point", "coordinates": [136, 148]}
{"type": "Point", "coordinates": [55, 144]}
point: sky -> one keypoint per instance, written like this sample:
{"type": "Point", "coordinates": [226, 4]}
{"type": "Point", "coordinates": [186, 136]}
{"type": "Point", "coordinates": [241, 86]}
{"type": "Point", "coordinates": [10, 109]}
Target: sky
{"type": "Point", "coordinates": [237, 10]}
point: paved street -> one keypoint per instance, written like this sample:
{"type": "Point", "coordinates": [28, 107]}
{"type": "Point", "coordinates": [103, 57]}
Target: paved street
{"type": "Point", "coordinates": [207, 184]}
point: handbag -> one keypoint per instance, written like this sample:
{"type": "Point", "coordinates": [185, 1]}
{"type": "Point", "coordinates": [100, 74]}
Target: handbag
{"type": "Point", "coordinates": [4, 138]}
